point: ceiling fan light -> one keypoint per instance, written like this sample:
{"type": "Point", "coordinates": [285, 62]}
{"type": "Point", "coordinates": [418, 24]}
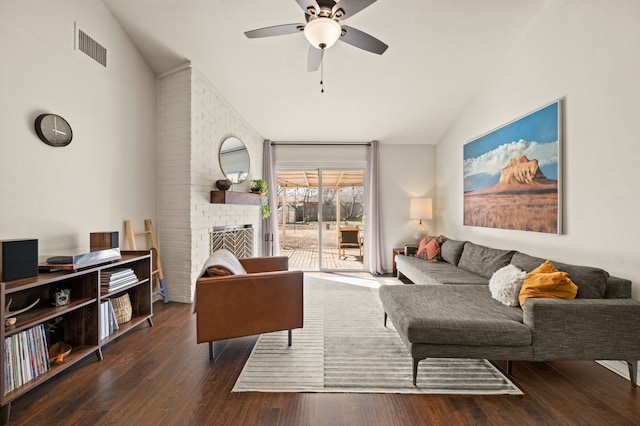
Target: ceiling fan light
{"type": "Point", "coordinates": [322, 31]}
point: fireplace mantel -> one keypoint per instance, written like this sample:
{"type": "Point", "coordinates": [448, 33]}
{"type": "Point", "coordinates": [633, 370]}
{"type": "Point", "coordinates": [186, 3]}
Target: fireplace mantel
{"type": "Point", "coordinates": [233, 197]}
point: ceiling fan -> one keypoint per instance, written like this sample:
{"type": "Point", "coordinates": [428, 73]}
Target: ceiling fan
{"type": "Point", "coordinates": [323, 28]}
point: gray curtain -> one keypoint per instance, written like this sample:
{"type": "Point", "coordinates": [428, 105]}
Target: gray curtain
{"type": "Point", "coordinates": [373, 237]}
{"type": "Point", "coordinates": [270, 238]}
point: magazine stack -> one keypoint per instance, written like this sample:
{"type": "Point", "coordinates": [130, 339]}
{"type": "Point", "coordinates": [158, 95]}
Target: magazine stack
{"type": "Point", "coordinates": [117, 277]}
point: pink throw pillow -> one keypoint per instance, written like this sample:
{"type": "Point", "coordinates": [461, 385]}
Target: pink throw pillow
{"type": "Point", "coordinates": [422, 246]}
{"type": "Point", "coordinates": [433, 249]}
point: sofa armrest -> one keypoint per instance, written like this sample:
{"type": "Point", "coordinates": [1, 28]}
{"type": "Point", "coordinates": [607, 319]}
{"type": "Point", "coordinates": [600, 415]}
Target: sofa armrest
{"type": "Point", "coordinates": [584, 329]}
{"type": "Point", "coordinates": [265, 264]}
{"type": "Point", "coordinates": [617, 288]}
{"type": "Point", "coordinates": [243, 305]}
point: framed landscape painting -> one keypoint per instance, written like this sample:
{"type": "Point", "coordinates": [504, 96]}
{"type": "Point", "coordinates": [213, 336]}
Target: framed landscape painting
{"type": "Point", "coordinates": [512, 175]}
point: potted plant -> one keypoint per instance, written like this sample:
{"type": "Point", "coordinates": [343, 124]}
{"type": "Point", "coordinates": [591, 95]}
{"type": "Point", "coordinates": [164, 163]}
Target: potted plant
{"type": "Point", "coordinates": [260, 186]}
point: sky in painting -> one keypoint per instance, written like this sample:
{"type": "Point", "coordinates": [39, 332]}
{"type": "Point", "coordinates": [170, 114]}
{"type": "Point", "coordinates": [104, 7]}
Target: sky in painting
{"type": "Point", "coordinates": [535, 135]}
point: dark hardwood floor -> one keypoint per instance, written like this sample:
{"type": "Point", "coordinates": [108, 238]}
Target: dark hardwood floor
{"type": "Point", "coordinates": [159, 376]}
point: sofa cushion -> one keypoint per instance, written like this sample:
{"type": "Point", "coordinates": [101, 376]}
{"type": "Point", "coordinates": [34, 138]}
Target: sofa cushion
{"type": "Point", "coordinates": [483, 260]}
{"type": "Point", "coordinates": [505, 284]}
{"type": "Point", "coordinates": [591, 282]}
{"type": "Point", "coordinates": [548, 283]}
{"type": "Point", "coordinates": [451, 250]}
{"type": "Point", "coordinates": [453, 315]}
{"type": "Point", "coordinates": [421, 271]}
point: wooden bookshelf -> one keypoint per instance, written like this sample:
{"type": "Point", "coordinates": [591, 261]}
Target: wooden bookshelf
{"type": "Point", "coordinates": [80, 318]}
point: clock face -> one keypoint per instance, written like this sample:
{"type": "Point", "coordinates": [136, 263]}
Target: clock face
{"type": "Point", "coordinates": [53, 130]}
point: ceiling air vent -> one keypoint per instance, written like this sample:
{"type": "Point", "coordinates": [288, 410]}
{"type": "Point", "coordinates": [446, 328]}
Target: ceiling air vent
{"type": "Point", "coordinates": [92, 48]}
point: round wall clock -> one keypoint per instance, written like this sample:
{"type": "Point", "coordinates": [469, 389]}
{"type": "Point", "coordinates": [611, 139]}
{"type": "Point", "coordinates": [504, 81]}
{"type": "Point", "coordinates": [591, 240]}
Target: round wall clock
{"type": "Point", "coordinates": [53, 130]}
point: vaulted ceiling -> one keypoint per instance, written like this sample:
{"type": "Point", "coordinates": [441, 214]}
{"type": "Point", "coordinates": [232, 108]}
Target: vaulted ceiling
{"type": "Point", "coordinates": [440, 52]}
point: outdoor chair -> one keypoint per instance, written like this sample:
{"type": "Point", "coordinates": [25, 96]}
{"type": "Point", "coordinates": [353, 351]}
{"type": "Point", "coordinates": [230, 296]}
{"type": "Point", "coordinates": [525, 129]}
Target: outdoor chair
{"type": "Point", "coordinates": [349, 238]}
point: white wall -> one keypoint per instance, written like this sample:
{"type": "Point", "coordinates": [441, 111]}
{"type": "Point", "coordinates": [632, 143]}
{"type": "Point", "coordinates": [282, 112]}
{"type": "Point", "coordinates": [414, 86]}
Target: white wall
{"type": "Point", "coordinates": [193, 121]}
{"type": "Point", "coordinates": [406, 171]}
{"type": "Point", "coordinates": [108, 172]}
{"type": "Point", "coordinates": [585, 51]}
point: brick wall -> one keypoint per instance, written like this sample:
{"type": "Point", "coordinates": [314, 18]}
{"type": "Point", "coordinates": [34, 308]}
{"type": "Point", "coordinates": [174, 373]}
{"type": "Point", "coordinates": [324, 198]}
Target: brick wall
{"type": "Point", "coordinates": [193, 121]}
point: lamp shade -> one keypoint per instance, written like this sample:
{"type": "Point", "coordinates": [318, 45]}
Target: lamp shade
{"type": "Point", "coordinates": [421, 208]}
{"type": "Point", "coordinates": [322, 33]}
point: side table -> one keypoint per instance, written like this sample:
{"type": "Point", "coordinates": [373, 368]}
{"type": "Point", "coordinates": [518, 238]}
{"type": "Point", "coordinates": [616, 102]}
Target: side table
{"type": "Point", "coordinates": [399, 250]}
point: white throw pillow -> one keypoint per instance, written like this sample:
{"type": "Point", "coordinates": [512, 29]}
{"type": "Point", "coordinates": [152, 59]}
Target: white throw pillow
{"type": "Point", "coordinates": [505, 284]}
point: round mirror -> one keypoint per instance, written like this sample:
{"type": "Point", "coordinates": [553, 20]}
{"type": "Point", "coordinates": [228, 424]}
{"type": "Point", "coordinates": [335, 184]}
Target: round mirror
{"type": "Point", "coordinates": [234, 159]}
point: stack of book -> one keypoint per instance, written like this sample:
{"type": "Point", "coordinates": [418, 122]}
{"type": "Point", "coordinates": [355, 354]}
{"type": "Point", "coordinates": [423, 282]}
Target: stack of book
{"type": "Point", "coordinates": [117, 277]}
{"type": "Point", "coordinates": [25, 357]}
{"type": "Point", "coordinates": [108, 322]}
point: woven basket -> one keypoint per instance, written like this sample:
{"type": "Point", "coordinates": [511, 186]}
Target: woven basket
{"type": "Point", "coordinates": [122, 308]}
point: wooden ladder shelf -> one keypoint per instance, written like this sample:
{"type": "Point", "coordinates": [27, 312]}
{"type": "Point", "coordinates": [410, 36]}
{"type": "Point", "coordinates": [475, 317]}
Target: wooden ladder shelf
{"type": "Point", "coordinates": [156, 272]}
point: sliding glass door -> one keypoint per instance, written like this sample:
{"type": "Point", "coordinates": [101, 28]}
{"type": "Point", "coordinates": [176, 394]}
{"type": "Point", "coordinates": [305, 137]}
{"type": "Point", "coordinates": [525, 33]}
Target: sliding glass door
{"type": "Point", "coordinates": [320, 214]}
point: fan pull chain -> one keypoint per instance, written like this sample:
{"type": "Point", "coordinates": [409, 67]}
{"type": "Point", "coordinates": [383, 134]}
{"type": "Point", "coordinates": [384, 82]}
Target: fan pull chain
{"type": "Point", "coordinates": [322, 46]}
{"type": "Point", "coordinates": [322, 77]}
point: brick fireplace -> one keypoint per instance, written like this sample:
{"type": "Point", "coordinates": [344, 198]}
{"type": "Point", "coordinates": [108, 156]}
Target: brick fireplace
{"type": "Point", "coordinates": [194, 120]}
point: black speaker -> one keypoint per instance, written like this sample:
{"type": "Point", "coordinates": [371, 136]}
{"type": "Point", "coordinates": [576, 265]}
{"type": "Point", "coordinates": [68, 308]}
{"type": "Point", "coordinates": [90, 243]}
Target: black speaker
{"type": "Point", "coordinates": [18, 259]}
{"type": "Point", "coordinates": [103, 240]}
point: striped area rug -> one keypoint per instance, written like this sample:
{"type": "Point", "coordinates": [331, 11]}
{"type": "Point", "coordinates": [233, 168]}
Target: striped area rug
{"type": "Point", "coordinates": [344, 347]}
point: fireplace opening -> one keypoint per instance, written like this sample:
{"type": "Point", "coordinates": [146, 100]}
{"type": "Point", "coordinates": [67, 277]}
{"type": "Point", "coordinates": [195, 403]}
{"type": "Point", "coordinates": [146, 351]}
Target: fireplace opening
{"type": "Point", "coordinates": [238, 239]}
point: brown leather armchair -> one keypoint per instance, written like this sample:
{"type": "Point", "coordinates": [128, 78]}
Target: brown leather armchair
{"type": "Point", "coordinates": [268, 298]}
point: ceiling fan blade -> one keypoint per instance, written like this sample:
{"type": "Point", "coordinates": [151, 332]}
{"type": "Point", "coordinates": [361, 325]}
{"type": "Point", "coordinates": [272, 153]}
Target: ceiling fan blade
{"type": "Point", "coordinates": [306, 4]}
{"type": "Point", "coordinates": [314, 59]}
{"type": "Point", "coordinates": [362, 40]}
{"type": "Point", "coordinates": [351, 7]}
{"type": "Point", "coordinates": [276, 30]}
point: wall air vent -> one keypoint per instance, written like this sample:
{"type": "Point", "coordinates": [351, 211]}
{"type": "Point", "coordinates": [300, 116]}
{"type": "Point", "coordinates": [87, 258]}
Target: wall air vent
{"type": "Point", "coordinates": [92, 48]}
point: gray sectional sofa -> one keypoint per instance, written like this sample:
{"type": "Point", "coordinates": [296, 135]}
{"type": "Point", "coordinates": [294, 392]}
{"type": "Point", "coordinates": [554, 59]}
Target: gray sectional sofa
{"type": "Point", "coordinates": [451, 313]}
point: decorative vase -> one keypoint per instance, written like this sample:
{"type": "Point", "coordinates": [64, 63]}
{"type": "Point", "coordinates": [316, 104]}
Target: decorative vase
{"type": "Point", "coordinates": [223, 184]}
